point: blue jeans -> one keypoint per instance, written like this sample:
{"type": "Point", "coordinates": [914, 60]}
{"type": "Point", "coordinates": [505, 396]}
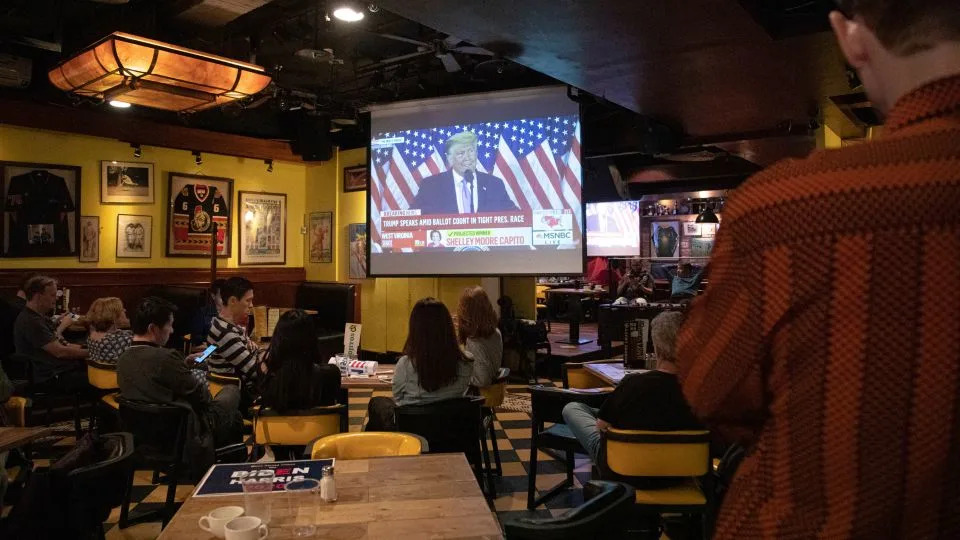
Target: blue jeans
{"type": "Point", "coordinates": [582, 421]}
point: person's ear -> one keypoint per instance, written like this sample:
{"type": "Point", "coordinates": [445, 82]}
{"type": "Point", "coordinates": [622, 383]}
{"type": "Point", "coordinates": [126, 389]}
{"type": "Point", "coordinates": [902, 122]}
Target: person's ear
{"type": "Point", "coordinates": [851, 36]}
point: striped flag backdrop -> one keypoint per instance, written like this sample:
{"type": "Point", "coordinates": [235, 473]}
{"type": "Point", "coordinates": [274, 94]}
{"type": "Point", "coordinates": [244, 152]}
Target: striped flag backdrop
{"type": "Point", "coordinates": [537, 158]}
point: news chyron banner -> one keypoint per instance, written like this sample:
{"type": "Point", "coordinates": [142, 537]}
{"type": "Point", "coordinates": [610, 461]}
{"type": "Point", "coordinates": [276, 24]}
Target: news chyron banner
{"type": "Point", "coordinates": [408, 231]}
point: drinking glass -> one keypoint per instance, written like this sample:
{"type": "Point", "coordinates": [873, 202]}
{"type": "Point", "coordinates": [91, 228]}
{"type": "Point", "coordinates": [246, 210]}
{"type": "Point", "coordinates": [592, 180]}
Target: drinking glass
{"type": "Point", "coordinates": [256, 496]}
{"type": "Point", "coordinates": [303, 496]}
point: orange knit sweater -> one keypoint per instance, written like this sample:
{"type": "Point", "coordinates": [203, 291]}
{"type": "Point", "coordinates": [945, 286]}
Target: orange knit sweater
{"type": "Point", "coordinates": [829, 339]}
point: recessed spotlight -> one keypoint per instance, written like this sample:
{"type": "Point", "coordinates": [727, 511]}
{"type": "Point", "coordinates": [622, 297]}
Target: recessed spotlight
{"type": "Point", "coordinates": [348, 14]}
{"type": "Point", "coordinates": [119, 104]}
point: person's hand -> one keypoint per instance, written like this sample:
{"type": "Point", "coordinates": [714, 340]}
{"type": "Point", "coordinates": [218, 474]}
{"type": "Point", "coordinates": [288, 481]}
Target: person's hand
{"type": "Point", "coordinates": [602, 426]}
{"type": "Point", "coordinates": [64, 322]}
{"type": "Point", "coordinates": [191, 359]}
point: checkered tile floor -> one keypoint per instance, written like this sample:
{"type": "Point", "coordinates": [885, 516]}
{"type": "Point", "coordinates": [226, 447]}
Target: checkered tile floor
{"type": "Point", "coordinates": [513, 438]}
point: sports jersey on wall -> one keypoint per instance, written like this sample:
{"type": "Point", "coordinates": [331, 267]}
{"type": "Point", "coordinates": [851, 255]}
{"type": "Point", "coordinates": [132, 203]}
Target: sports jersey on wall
{"type": "Point", "coordinates": [198, 203]}
{"type": "Point", "coordinates": [39, 211]}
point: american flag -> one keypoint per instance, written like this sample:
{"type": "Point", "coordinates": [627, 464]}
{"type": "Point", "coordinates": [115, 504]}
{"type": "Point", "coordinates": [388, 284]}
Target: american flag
{"type": "Point", "coordinates": [538, 159]}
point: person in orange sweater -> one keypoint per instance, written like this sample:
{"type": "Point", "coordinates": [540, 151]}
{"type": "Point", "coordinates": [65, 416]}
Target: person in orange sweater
{"type": "Point", "coordinates": [828, 342]}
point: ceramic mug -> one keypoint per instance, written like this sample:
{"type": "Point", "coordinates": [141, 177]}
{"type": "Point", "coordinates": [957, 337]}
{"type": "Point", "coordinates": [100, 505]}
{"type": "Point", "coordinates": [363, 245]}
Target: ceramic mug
{"type": "Point", "coordinates": [214, 521]}
{"type": "Point", "coordinates": [245, 528]}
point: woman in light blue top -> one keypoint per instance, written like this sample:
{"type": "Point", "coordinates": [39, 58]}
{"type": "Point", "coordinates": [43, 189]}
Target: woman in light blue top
{"type": "Point", "coordinates": [433, 367]}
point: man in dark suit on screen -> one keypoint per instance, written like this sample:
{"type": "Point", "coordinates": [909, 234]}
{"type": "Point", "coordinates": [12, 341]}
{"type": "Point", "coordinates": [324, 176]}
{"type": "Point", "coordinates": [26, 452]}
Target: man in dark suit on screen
{"type": "Point", "coordinates": [461, 189]}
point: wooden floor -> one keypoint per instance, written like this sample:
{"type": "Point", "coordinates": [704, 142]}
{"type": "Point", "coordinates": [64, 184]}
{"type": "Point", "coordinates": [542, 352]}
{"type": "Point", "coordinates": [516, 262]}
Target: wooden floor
{"type": "Point", "coordinates": [560, 331]}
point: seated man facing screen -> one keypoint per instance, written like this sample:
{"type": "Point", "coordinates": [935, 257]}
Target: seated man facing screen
{"type": "Point", "coordinates": [54, 360]}
{"type": "Point", "coordinates": [236, 355]}
{"type": "Point", "coordinates": [150, 373]}
{"type": "Point", "coordinates": [649, 401]}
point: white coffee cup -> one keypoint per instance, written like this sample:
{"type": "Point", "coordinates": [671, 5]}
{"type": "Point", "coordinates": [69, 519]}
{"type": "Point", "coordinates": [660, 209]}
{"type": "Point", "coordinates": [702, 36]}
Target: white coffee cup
{"type": "Point", "coordinates": [214, 521]}
{"type": "Point", "coordinates": [245, 528]}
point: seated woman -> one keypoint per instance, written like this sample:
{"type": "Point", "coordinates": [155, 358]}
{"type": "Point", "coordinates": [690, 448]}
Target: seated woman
{"type": "Point", "coordinates": [109, 330]}
{"type": "Point", "coordinates": [479, 336]}
{"type": "Point", "coordinates": [297, 378]}
{"type": "Point", "coordinates": [432, 368]}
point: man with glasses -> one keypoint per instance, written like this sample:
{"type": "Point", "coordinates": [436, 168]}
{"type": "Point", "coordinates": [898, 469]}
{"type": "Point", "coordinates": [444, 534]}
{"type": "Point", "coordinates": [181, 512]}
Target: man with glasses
{"type": "Point", "coordinates": [461, 189]}
{"type": "Point", "coordinates": [827, 340]}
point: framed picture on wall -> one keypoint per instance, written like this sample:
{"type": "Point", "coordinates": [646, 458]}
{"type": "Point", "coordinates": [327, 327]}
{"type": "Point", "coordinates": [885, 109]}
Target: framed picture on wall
{"type": "Point", "coordinates": [89, 238]}
{"type": "Point", "coordinates": [40, 210]}
{"type": "Point", "coordinates": [321, 237]}
{"type": "Point", "coordinates": [665, 240]}
{"type": "Point", "coordinates": [133, 236]}
{"type": "Point", "coordinates": [357, 250]}
{"type": "Point", "coordinates": [263, 227]}
{"type": "Point", "coordinates": [195, 204]}
{"type": "Point", "coordinates": [355, 178]}
{"type": "Point", "coordinates": [126, 182]}
{"type": "Point", "coordinates": [691, 228]}
{"type": "Point", "coordinates": [701, 247]}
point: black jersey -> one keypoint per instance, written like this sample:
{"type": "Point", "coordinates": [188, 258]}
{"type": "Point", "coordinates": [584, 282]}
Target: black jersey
{"type": "Point", "coordinates": [38, 203]}
{"type": "Point", "coordinates": [195, 209]}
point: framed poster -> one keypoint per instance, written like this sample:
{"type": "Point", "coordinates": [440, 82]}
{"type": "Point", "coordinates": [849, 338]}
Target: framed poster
{"type": "Point", "coordinates": [263, 227]}
{"type": "Point", "coordinates": [701, 247]}
{"type": "Point", "coordinates": [354, 178]}
{"type": "Point", "coordinates": [89, 238]}
{"type": "Point", "coordinates": [357, 246]}
{"type": "Point", "coordinates": [691, 228]}
{"type": "Point", "coordinates": [126, 182]}
{"type": "Point", "coordinates": [133, 236]}
{"type": "Point", "coordinates": [40, 210]}
{"type": "Point", "coordinates": [321, 239]}
{"type": "Point", "coordinates": [665, 240]}
{"type": "Point", "coordinates": [195, 204]}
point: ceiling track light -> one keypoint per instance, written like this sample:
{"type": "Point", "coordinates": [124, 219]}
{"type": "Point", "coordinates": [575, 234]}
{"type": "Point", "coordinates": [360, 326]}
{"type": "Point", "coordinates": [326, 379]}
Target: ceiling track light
{"type": "Point", "coordinates": [137, 151]}
{"type": "Point", "coordinates": [348, 12]}
{"type": "Point", "coordinates": [269, 163]}
{"type": "Point", "coordinates": [197, 158]}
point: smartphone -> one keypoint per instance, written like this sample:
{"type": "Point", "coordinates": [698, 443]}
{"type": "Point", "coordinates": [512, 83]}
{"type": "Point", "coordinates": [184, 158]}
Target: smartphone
{"type": "Point", "coordinates": [206, 352]}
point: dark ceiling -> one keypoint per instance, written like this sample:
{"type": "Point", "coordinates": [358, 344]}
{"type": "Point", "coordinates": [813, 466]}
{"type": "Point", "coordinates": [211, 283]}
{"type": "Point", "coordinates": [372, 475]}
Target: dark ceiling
{"type": "Point", "coordinates": [748, 78]}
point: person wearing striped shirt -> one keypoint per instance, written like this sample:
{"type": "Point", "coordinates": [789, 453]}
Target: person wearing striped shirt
{"type": "Point", "coordinates": [236, 355]}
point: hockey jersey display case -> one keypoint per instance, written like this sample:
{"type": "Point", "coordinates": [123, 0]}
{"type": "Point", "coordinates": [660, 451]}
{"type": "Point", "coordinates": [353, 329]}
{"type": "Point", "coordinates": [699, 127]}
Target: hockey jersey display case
{"type": "Point", "coordinates": [40, 209]}
{"type": "Point", "coordinates": [197, 203]}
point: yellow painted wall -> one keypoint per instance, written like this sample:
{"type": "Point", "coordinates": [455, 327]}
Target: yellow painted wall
{"type": "Point", "coordinates": [38, 146]}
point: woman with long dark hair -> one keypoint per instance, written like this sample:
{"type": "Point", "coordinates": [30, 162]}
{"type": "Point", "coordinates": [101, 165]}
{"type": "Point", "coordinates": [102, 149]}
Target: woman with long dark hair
{"type": "Point", "coordinates": [297, 378]}
{"type": "Point", "coordinates": [433, 366]}
{"type": "Point", "coordinates": [478, 334]}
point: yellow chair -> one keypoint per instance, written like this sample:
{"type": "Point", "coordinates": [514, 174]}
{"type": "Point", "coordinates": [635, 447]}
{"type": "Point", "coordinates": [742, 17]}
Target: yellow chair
{"type": "Point", "coordinates": [493, 396]}
{"type": "Point", "coordinates": [217, 382]}
{"type": "Point", "coordinates": [102, 375]}
{"type": "Point", "coordinates": [16, 411]}
{"type": "Point", "coordinates": [366, 444]}
{"type": "Point", "coordinates": [298, 428]}
{"type": "Point", "coordinates": [575, 377]}
{"type": "Point", "coordinates": [641, 457]}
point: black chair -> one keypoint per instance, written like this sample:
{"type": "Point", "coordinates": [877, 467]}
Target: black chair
{"type": "Point", "coordinates": [93, 491]}
{"type": "Point", "coordinates": [45, 396]}
{"type": "Point", "coordinates": [547, 406]}
{"type": "Point", "coordinates": [159, 432]}
{"type": "Point", "coordinates": [451, 425]}
{"type": "Point", "coordinates": [605, 513]}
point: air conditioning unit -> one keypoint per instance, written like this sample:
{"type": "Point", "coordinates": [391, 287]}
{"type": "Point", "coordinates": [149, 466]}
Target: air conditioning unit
{"type": "Point", "coordinates": [15, 71]}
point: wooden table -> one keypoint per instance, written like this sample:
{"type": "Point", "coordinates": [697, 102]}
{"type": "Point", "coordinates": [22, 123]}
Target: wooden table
{"type": "Point", "coordinates": [15, 437]}
{"type": "Point", "coordinates": [373, 382]}
{"type": "Point", "coordinates": [427, 496]}
{"type": "Point", "coordinates": [611, 373]}
{"type": "Point", "coordinates": [578, 292]}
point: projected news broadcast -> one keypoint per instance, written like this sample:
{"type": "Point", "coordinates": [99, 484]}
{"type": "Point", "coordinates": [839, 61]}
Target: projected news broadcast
{"type": "Point", "coordinates": [476, 185]}
{"type": "Point", "coordinates": [613, 229]}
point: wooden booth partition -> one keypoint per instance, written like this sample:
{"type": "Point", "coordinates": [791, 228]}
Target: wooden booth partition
{"type": "Point", "coordinates": [277, 286]}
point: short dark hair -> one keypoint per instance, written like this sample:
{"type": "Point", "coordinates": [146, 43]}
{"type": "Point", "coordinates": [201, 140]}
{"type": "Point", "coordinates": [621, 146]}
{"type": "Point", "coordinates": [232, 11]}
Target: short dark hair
{"type": "Point", "coordinates": [217, 286]}
{"type": "Point", "coordinates": [151, 310]}
{"type": "Point", "coordinates": [907, 26]}
{"type": "Point", "coordinates": [235, 287]}
{"type": "Point", "coordinates": [26, 279]}
{"type": "Point", "coordinates": [37, 284]}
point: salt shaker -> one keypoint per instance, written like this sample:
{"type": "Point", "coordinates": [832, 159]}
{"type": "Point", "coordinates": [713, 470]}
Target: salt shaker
{"type": "Point", "coordinates": [328, 485]}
